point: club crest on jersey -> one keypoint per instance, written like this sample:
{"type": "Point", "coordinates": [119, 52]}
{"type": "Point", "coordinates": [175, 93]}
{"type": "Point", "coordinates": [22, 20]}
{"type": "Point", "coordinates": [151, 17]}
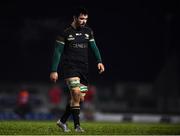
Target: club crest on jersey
{"type": "Point", "coordinates": [86, 36]}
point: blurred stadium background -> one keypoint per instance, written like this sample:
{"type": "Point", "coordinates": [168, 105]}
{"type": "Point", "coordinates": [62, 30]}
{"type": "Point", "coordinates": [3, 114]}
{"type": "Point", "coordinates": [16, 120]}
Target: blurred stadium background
{"type": "Point", "coordinates": [139, 44]}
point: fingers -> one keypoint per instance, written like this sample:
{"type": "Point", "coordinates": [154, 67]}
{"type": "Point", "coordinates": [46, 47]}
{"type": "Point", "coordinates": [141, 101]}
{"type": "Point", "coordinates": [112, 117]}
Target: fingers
{"type": "Point", "coordinates": [54, 80]}
{"type": "Point", "coordinates": [101, 68]}
{"type": "Point", "coordinates": [101, 71]}
{"type": "Point", "coordinates": [54, 77]}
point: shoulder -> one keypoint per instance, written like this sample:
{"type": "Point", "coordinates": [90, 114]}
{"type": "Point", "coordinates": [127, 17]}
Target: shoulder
{"type": "Point", "coordinates": [62, 33]}
{"type": "Point", "coordinates": [64, 30]}
{"type": "Point", "coordinates": [88, 29]}
{"type": "Point", "coordinates": [67, 29]}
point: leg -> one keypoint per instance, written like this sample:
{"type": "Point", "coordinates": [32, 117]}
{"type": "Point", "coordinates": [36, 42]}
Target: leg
{"type": "Point", "coordinates": [67, 112]}
{"type": "Point", "coordinates": [73, 105]}
{"type": "Point", "coordinates": [74, 87]}
{"type": "Point", "coordinates": [84, 90]}
{"type": "Point", "coordinates": [62, 122]}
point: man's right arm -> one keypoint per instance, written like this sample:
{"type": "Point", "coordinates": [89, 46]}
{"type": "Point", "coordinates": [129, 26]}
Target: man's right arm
{"type": "Point", "coordinates": [59, 47]}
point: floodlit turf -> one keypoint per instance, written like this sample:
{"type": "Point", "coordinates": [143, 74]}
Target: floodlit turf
{"type": "Point", "coordinates": [92, 128]}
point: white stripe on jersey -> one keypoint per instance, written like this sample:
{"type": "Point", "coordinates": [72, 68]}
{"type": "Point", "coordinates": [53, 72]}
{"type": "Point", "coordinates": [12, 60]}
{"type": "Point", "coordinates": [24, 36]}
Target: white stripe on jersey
{"type": "Point", "coordinates": [91, 40]}
{"type": "Point", "coordinates": [60, 42]}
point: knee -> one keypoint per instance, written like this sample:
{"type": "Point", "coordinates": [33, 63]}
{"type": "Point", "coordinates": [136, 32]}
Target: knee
{"type": "Point", "coordinates": [76, 94]}
{"type": "Point", "coordinates": [76, 91]}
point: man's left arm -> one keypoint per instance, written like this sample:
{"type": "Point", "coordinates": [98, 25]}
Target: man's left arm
{"type": "Point", "coordinates": [97, 54]}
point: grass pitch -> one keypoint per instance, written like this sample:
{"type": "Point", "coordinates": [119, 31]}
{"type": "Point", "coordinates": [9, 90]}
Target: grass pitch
{"type": "Point", "coordinates": [92, 128]}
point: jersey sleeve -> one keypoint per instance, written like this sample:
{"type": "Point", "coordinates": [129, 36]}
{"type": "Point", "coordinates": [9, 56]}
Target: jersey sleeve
{"type": "Point", "coordinates": [91, 35]}
{"type": "Point", "coordinates": [61, 37]}
{"type": "Point", "coordinates": [58, 50]}
{"type": "Point", "coordinates": [94, 47]}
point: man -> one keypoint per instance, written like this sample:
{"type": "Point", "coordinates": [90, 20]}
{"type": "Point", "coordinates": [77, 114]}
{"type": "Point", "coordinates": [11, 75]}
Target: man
{"type": "Point", "coordinates": [73, 45]}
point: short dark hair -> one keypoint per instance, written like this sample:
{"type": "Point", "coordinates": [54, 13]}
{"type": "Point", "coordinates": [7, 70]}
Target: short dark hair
{"type": "Point", "coordinates": [80, 10]}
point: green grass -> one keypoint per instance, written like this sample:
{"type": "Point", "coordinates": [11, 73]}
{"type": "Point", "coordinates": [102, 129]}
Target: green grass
{"type": "Point", "coordinates": [92, 128]}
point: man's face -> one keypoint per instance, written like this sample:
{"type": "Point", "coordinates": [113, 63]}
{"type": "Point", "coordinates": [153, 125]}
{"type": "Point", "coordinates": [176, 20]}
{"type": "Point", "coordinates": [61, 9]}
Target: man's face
{"type": "Point", "coordinates": [81, 20]}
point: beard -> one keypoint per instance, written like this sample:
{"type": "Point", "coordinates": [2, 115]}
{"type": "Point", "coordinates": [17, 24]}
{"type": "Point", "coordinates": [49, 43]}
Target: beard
{"type": "Point", "coordinates": [82, 25]}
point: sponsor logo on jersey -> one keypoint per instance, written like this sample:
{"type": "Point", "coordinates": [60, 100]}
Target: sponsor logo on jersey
{"type": "Point", "coordinates": [79, 45]}
{"type": "Point", "coordinates": [70, 38]}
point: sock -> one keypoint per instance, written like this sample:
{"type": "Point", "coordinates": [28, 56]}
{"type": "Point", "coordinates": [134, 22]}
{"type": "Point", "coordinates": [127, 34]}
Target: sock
{"type": "Point", "coordinates": [75, 110]}
{"type": "Point", "coordinates": [66, 114]}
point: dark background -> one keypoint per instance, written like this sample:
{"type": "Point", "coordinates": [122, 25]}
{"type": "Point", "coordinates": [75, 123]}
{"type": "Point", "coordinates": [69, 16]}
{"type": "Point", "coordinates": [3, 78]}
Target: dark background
{"type": "Point", "coordinates": [136, 38]}
{"type": "Point", "coordinates": [138, 41]}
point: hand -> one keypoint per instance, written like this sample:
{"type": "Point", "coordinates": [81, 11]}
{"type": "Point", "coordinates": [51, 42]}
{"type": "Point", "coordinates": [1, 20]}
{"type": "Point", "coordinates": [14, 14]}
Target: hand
{"type": "Point", "coordinates": [54, 76]}
{"type": "Point", "coordinates": [101, 68]}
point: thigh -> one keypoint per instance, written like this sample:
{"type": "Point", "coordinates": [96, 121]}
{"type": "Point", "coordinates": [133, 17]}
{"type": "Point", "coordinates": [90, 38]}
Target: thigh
{"type": "Point", "coordinates": [73, 82]}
